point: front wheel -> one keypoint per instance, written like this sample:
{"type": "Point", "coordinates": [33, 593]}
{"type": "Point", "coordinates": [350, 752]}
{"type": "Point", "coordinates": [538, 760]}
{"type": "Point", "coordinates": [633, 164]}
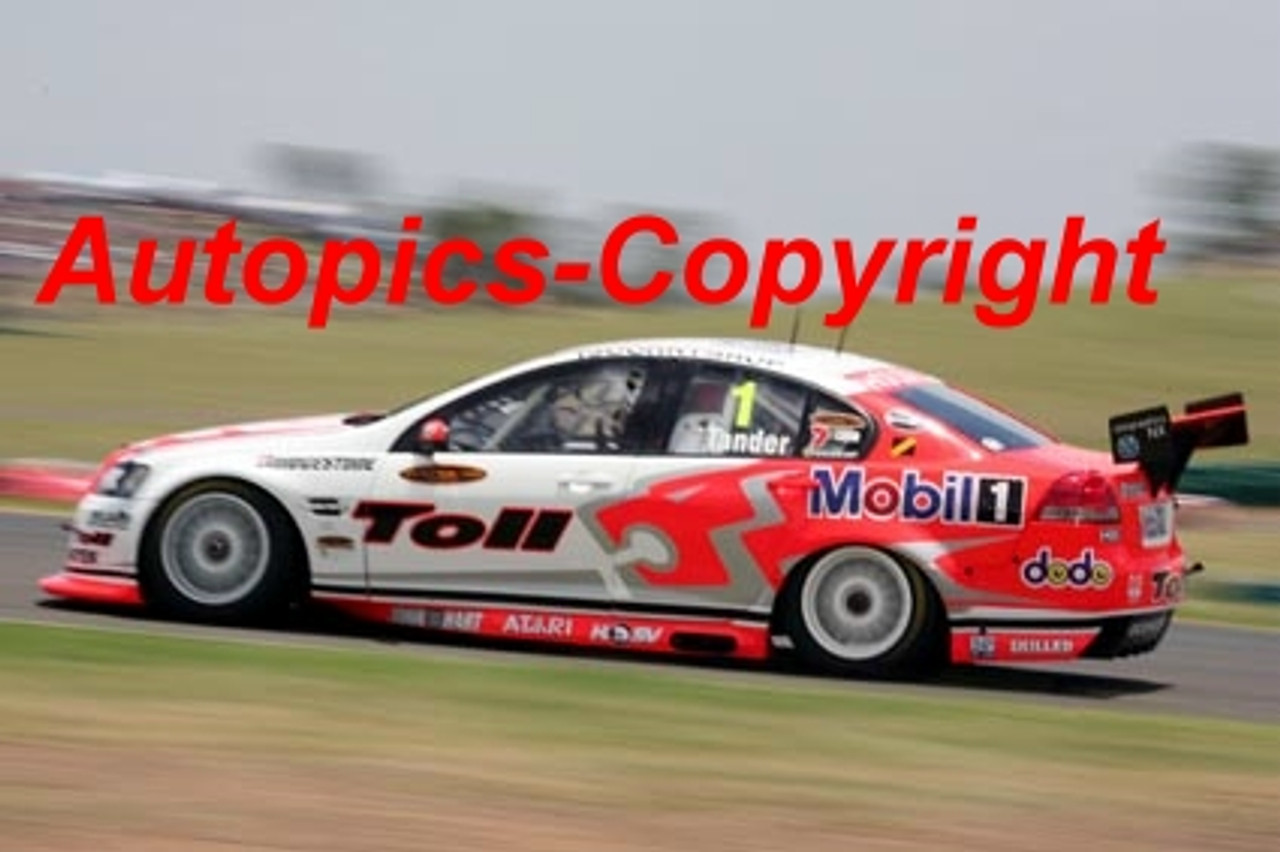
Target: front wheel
{"type": "Point", "coordinates": [859, 611]}
{"type": "Point", "coordinates": [220, 552]}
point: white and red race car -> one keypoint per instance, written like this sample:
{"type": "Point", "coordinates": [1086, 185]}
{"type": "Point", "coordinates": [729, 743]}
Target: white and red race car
{"type": "Point", "coordinates": [690, 496]}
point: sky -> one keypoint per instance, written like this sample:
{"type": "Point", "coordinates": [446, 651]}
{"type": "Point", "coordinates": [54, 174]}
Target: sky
{"type": "Point", "coordinates": [819, 118]}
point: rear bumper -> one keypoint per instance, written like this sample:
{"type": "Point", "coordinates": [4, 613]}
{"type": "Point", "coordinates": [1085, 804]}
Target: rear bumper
{"type": "Point", "coordinates": [1103, 639]}
{"type": "Point", "coordinates": [1129, 636]}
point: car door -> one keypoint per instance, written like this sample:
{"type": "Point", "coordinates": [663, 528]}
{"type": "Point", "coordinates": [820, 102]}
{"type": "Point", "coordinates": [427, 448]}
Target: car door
{"type": "Point", "coordinates": [495, 512]}
{"type": "Point", "coordinates": [716, 518]}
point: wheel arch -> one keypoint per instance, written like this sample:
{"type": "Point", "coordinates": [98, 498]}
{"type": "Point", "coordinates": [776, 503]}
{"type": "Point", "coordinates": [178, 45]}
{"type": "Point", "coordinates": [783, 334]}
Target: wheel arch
{"type": "Point", "coordinates": [791, 581]}
{"type": "Point", "coordinates": [175, 490]}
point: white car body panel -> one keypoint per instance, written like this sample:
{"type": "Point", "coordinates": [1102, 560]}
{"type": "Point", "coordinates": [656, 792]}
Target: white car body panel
{"type": "Point", "coordinates": [286, 458]}
{"type": "Point", "coordinates": [511, 480]}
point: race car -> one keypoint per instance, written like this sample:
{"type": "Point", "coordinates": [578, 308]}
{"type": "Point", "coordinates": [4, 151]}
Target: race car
{"type": "Point", "coordinates": [735, 498]}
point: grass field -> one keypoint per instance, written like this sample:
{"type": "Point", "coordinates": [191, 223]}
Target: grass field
{"type": "Point", "coordinates": [115, 741]}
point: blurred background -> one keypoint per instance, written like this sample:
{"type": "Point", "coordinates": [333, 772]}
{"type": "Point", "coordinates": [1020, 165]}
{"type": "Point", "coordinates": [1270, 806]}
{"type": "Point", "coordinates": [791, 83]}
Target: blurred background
{"type": "Point", "coordinates": [750, 119]}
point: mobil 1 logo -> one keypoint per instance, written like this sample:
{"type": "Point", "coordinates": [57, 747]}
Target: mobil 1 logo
{"type": "Point", "coordinates": [915, 497]}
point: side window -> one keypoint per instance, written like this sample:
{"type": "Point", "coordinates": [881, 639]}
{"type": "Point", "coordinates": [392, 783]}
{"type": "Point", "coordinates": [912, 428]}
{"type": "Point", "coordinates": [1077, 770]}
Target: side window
{"type": "Point", "coordinates": [733, 412]}
{"type": "Point", "coordinates": [584, 408]}
{"type": "Point", "coordinates": [835, 431]}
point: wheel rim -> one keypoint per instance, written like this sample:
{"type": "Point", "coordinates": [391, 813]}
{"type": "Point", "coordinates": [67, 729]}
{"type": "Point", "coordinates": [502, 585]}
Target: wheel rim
{"type": "Point", "coordinates": [857, 606]}
{"type": "Point", "coordinates": [215, 549]}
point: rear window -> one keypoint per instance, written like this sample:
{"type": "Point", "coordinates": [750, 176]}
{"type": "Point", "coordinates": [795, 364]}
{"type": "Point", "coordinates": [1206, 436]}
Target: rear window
{"type": "Point", "coordinates": [973, 418]}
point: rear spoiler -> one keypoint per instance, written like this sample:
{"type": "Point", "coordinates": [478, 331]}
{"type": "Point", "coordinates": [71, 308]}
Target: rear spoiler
{"type": "Point", "coordinates": [1162, 444]}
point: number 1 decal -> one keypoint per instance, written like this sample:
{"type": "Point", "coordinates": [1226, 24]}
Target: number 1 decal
{"type": "Point", "coordinates": [1001, 509]}
{"type": "Point", "coordinates": [1000, 500]}
{"type": "Point", "coordinates": [745, 393]}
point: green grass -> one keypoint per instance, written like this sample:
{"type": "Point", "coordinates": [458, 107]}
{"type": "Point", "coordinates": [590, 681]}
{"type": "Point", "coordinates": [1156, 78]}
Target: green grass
{"type": "Point", "coordinates": [543, 734]}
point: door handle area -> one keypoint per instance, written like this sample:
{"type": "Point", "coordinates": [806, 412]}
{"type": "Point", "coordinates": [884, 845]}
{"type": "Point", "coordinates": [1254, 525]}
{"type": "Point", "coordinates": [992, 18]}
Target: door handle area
{"type": "Point", "coordinates": [586, 483]}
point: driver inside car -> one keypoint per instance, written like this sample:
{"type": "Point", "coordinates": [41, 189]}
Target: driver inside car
{"type": "Point", "coordinates": [592, 414]}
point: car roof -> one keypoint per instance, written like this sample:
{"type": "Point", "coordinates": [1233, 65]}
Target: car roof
{"type": "Point", "coordinates": [845, 372]}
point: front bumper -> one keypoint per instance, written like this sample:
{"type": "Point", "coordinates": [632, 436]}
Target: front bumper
{"type": "Point", "coordinates": [84, 587]}
{"type": "Point", "coordinates": [100, 565]}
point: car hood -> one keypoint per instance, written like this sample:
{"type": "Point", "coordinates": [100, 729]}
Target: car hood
{"type": "Point", "coordinates": [237, 434]}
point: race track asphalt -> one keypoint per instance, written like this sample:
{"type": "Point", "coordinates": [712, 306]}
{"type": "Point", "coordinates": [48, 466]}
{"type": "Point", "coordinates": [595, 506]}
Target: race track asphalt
{"type": "Point", "coordinates": [1217, 671]}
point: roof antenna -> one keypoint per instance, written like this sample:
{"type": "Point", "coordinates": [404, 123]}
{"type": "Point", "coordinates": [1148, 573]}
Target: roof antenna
{"type": "Point", "coordinates": [840, 342]}
{"type": "Point", "coordinates": [795, 328]}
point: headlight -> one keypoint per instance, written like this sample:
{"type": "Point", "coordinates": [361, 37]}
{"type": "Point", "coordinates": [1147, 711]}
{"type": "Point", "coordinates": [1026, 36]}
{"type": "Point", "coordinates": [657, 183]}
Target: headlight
{"type": "Point", "coordinates": [123, 480]}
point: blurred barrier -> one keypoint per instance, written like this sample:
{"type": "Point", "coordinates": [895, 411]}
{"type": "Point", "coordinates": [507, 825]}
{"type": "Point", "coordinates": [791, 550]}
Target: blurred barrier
{"type": "Point", "coordinates": [1244, 484]}
{"type": "Point", "coordinates": [41, 479]}
{"type": "Point", "coordinates": [1239, 591]}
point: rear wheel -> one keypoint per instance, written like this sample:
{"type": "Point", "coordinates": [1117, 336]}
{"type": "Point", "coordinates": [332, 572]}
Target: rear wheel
{"type": "Point", "coordinates": [859, 611]}
{"type": "Point", "coordinates": [221, 552]}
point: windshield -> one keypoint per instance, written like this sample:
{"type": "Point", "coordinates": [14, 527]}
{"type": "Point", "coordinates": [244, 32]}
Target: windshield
{"type": "Point", "coordinates": [973, 418]}
{"type": "Point", "coordinates": [416, 401]}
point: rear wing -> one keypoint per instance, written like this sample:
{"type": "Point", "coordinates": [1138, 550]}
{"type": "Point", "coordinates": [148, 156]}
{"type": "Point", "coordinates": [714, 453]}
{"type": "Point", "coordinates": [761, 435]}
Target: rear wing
{"type": "Point", "coordinates": [1162, 444]}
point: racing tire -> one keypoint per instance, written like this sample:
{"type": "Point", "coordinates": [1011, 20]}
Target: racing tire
{"type": "Point", "coordinates": [857, 611]}
{"type": "Point", "coordinates": [221, 552]}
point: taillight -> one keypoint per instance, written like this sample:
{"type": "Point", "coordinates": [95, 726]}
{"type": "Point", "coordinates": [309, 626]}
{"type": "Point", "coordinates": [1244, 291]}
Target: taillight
{"type": "Point", "coordinates": [1083, 497]}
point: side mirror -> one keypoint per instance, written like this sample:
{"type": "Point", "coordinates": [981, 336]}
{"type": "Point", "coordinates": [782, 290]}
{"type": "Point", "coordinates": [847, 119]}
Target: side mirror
{"type": "Point", "coordinates": [434, 436]}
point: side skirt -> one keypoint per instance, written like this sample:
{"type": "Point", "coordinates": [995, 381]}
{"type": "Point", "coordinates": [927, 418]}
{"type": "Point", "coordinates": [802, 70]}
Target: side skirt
{"type": "Point", "coordinates": [687, 635]}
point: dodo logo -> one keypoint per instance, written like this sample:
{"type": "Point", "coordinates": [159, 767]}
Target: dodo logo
{"type": "Point", "coordinates": [1084, 572]}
